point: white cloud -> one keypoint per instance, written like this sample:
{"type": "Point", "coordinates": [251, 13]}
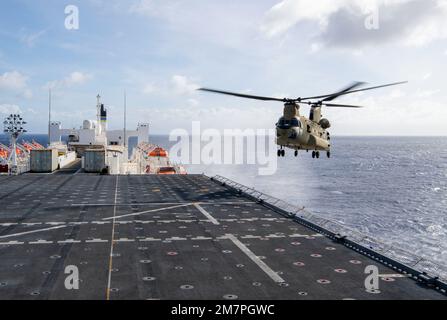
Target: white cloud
{"type": "Point", "coordinates": [6, 109]}
{"type": "Point", "coordinates": [28, 94]}
{"type": "Point", "coordinates": [183, 85]}
{"type": "Point", "coordinates": [143, 7]}
{"type": "Point", "coordinates": [149, 88]}
{"type": "Point", "coordinates": [284, 15]}
{"type": "Point", "coordinates": [153, 7]}
{"type": "Point", "coordinates": [426, 93]}
{"type": "Point", "coordinates": [427, 76]}
{"type": "Point", "coordinates": [16, 83]}
{"type": "Point", "coordinates": [32, 111]}
{"type": "Point", "coordinates": [31, 39]}
{"type": "Point", "coordinates": [432, 28]}
{"type": "Point", "coordinates": [13, 80]}
{"type": "Point", "coordinates": [315, 47]}
{"type": "Point", "coordinates": [215, 117]}
{"type": "Point", "coordinates": [75, 78]}
{"type": "Point", "coordinates": [398, 112]}
{"type": "Point", "coordinates": [223, 24]}
{"type": "Point", "coordinates": [193, 102]}
{"type": "Point", "coordinates": [341, 23]}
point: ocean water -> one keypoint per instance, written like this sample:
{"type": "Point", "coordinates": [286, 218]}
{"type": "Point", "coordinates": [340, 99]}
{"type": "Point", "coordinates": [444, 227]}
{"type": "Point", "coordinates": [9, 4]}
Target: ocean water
{"type": "Point", "coordinates": [393, 189]}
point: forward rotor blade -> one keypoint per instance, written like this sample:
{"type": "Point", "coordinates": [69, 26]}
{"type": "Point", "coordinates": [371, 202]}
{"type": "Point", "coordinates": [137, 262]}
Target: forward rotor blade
{"type": "Point", "coordinates": [354, 91]}
{"type": "Point", "coordinates": [241, 95]}
{"type": "Point", "coordinates": [349, 88]}
{"type": "Point", "coordinates": [333, 105]}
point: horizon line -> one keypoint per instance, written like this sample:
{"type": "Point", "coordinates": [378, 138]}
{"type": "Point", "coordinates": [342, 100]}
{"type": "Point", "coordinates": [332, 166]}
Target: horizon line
{"type": "Point", "coordinates": [335, 135]}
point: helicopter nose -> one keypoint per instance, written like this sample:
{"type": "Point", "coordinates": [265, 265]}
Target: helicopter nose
{"type": "Point", "coordinates": [294, 133]}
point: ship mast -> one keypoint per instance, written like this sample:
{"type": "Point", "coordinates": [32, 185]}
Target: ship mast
{"type": "Point", "coordinates": [98, 115]}
{"type": "Point", "coordinates": [125, 118]}
{"type": "Point", "coordinates": [49, 116]}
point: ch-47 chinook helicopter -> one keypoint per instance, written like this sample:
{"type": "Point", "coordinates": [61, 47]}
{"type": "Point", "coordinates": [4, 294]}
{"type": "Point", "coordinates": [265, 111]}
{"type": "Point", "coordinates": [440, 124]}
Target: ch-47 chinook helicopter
{"type": "Point", "coordinates": [297, 132]}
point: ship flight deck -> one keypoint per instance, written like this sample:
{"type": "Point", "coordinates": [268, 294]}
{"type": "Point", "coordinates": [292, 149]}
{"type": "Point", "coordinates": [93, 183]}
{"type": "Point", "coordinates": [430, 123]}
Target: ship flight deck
{"type": "Point", "coordinates": [180, 237]}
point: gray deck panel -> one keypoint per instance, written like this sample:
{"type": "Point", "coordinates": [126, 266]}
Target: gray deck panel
{"type": "Point", "coordinates": [158, 253]}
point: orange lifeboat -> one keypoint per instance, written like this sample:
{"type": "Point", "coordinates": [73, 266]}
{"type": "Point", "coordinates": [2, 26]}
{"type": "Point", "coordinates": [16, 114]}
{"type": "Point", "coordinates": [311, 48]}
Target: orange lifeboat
{"type": "Point", "coordinates": [27, 146]}
{"type": "Point", "coordinates": [166, 170]}
{"type": "Point", "coordinates": [159, 153]}
{"type": "Point", "coordinates": [37, 145]}
{"type": "Point", "coordinates": [4, 152]}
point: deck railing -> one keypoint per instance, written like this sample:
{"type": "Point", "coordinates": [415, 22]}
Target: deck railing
{"type": "Point", "coordinates": [397, 258]}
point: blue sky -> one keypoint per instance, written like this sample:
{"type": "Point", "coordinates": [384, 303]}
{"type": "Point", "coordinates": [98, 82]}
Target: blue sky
{"type": "Point", "coordinates": [159, 51]}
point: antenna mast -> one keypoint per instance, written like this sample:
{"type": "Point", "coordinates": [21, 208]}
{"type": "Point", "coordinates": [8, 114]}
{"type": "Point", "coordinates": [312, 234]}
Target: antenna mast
{"type": "Point", "coordinates": [125, 118]}
{"type": "Point", "coordinates": [49, 116]}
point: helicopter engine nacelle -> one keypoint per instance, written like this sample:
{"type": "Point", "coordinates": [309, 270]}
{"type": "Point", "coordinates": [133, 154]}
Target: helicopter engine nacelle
{"type": "Point", "coordinates": [291, 110]}
{"type": "Point", "coordinates": [320, 144]}
{"type": "Point", "coordinates": [325, 124]}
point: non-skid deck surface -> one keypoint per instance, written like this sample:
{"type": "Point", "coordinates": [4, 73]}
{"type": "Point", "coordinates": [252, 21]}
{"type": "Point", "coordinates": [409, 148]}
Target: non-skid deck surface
{"type": "Point", "coordinates": [169, 237]}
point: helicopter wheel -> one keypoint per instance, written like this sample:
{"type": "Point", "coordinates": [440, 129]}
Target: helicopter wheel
{"type": "Point", "coordinates": [314, 154]}
{"type": "Point", "coordinates": [279, 153]}
{"type": "Point", "coordinates": [283, 153]}
{"type": "Point", "coordinates": [318, 155]}
{"type": "Point", "coordinates": [329, 154]}
{"type": "Point", "coordinates": [296, 153]}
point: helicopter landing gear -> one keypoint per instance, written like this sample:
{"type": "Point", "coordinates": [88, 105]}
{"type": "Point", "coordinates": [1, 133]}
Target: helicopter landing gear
{"type": "Point", "coordinates": [281, 153]}
{"type": "Point", "coordinates": [296, 153]}
{"type": "Point", "coordinates": [315, 154]}
{"type": "Point", "coordinates": [328, 154]}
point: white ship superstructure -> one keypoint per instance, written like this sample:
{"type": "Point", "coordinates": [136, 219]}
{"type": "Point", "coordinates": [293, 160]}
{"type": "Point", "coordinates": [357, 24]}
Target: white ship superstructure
{"type": "Point", "coordinates": [95, 134]}
{"type": "Point", "coordinates": [109, 149]}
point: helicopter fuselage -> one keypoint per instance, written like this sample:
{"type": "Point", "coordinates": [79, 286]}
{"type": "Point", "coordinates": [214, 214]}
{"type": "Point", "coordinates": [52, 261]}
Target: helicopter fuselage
{"type": "Point", "coordinates": [300, 133]}
{"type": "Point", "coordinates": [308, 136]}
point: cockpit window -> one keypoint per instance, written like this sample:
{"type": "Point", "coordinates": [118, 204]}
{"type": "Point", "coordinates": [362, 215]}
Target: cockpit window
{"type": "Point", "coordinates": [295, 123]}
{"type": "Point", "coordinates": [287, 124]}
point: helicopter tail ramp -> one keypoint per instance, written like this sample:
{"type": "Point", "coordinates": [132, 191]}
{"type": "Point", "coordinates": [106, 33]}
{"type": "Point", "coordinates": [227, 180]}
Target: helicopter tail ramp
{"type": "Point", "coordinates": [183, 237]}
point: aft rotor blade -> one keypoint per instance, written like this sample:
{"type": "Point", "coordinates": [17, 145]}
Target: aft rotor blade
{"type": "Point", "coordinates": [241, 95]}
{"type": "Point", "coordinates": [354, 91]}
{"type": "Point", "coordinates": [348, 88]}
{"type": "Point", "coordinates": [333, 105]}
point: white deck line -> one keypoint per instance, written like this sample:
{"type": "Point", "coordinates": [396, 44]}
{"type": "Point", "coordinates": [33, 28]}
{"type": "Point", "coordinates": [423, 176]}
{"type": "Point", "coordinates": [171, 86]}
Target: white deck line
{"type": "Point", "coordinates": [206, 214]}
{"type": "Point", "coordinates": [30, 232]}
{"type": "Point", "coordinates": [148, 211]}
{"type": "Point", "coordinates": [261, 264]}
